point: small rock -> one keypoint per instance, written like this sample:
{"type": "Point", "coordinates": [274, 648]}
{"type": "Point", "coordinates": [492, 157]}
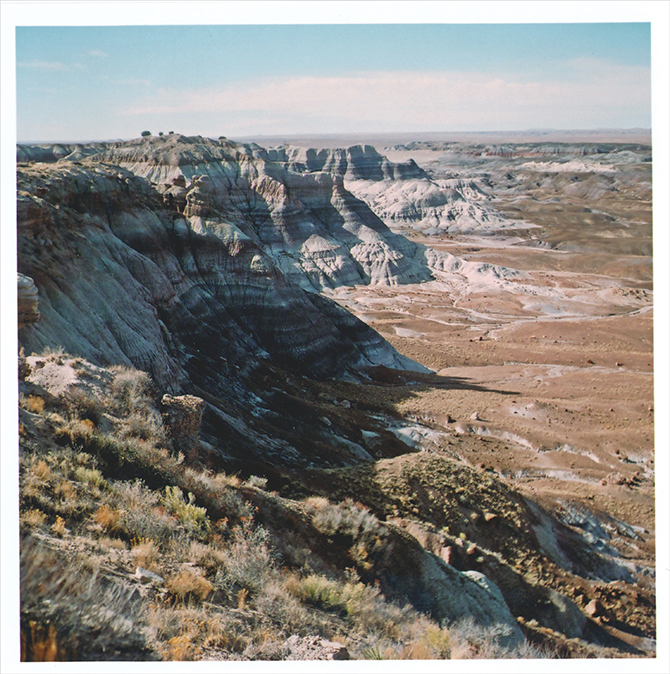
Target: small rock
{"type": "Point", "coordinates": [593, 608]}
{"type": "Point", "coordinates": [346, 404]}
{"type": "Point", "coordinates": [489, 517]}
{"type": "Point", "coordinates": [146, 575]}
{"type": "Point", "coordinates": [447, 554]}
{"type": "Point", "coordinates": [326, 421]}
{"type": "Point", "coordinates": [474, 416]}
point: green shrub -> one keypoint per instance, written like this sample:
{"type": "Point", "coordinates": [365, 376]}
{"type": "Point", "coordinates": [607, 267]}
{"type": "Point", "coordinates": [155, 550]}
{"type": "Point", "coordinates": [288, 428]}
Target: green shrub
{"type": "Point", "coordinates": [193, 517]}
{"type": "Point", "coordinates": [90, 476]}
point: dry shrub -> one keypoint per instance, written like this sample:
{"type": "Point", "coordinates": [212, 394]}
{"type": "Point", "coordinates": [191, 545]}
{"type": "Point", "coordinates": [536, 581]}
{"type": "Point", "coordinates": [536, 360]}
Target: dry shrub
{"type": "Point", "coordinates": [108, 518]}
{"type": "Point", "coordinates": [84, 405]}
{"type": "Point", "coordinates": [183, 632]}
{"type": "Point", "coordinates": [113, 543]}
{"type": "Point", "coordinates": [283, 608]}
{"type": "Point", "coordinates": [95, 616]}
{"type": "Point", "coordinates": [186, 585]}
{"type": "Point", "coordinates": [90, 476]}
{"type": "Point", "coordinates": [146, 425]}
{"type": "Point", "coordinates": [42, 470]}
{"type": "Point", "coordinates": [58, 527]}
{"type": "Point", "coordinates": [130, 390]}
{"type": "Point", "coordinates": [192, 517]}
{"type": "Point", "coordinates": [249, 562]}
{"type": "Point", "coordinates": [242, 598]}
{"type": "Point", "coordinates": [40, 643]}
{"type": "Point", "coordinates": [346, 518]}
{"type": "Point", "coordinates": [67, 492]}
{"type": "Point", "coordinates": [33, 518]}
{"type": "Point", "coordinates": [258, 482]}
{"type": "Point", "coordinates": [77, 432]}
{"type": "Point", "coordinates": [34, 404]}
{"type": "Point", "coordinates": [206, 556]}
{"type": "Point", "coordinates": [181, 649]}
{"type": "Point", "coordinates": [472, 641]}
{"type": "Point", "coordinates": [144, 553]}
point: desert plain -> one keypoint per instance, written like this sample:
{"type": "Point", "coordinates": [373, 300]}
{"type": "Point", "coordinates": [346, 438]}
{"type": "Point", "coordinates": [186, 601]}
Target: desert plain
{"type": "Point", "coordinates": [546, 379]}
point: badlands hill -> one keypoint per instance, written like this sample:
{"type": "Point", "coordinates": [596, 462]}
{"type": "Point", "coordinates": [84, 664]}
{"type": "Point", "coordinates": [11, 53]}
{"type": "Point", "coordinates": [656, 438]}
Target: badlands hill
{"type": "Point", "coordinates": [186, 361]}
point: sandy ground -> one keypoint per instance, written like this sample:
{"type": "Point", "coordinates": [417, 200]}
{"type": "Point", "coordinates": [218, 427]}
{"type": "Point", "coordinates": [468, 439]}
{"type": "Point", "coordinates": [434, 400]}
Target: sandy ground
{"type": "Point", "coordinates": [547, 378]}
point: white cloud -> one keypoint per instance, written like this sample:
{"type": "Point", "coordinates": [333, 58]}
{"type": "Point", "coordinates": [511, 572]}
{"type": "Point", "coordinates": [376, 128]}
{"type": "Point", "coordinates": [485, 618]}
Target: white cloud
{"type": "Point", "coordinates": [42, 65]}
{"type": "Point", "coordinates": [98, 52]}
{"type": "Point", "coordinates": [581, 93]}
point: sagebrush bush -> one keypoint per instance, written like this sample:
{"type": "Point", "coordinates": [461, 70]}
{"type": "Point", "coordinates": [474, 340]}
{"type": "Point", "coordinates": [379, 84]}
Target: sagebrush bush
{"type": "Point", "coordinates": [130, 391]}
{"type": "Point", "coordinates": [249, 562]}
{"type": "Point", "coordinates": [188, 585]}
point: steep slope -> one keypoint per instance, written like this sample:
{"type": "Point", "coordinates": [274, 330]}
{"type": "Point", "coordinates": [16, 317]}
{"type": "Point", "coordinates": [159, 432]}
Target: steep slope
{"type": "Point", "coordinates": [402, 194]}
{"type": "Point", "coordinates": [125, 278]}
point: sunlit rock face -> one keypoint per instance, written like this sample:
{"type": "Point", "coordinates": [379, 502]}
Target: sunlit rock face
{"type": "Point", "coordinates": [316, 231]}
{"type": "Point", "coordinates": [402, 194]}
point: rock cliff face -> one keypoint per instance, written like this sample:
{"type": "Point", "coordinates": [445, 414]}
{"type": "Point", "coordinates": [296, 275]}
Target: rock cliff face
{"type": "Point", "coordinates": [402, 194]}
{"type": "Point", "coordinates": [126, 276]}
{"type": "Point", "coordinates": [318, 233]}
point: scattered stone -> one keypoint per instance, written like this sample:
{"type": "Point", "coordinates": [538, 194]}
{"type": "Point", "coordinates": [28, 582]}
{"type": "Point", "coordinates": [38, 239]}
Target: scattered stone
{"type": "Point", "coordinates": [447, 554]}
{"type": "Point", "coordinates": [28, 301]}
{"type": "Point", "coordinates": [489, 517]}
{"type": "Point", "coordinates": [474, 417]}
{"type": "Point", "coordinates": [326, 421]}
{"type": "Point", "coordinates": [148, 576]}
{"type": "Point", "coordinates": [346, 404]}
{"type": "Point", "coordinates": [313, 648]}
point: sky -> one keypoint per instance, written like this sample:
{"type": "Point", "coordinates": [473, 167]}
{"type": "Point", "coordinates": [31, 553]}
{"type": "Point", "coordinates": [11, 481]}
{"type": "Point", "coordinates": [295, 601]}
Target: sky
{"type": "Point", "coordinates": [77, 83]}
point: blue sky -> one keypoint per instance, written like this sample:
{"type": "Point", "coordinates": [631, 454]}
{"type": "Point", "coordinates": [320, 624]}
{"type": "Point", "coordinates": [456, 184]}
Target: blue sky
{"type": "Point", "coordinates": [103, 82]}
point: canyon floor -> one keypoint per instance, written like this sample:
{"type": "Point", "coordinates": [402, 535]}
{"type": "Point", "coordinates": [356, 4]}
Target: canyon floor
{"type": "Point", "coordinates": [548, 382]}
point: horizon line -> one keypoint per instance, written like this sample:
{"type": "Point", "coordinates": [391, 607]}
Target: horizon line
{"type": "Point", "coordinates": [372, 134]}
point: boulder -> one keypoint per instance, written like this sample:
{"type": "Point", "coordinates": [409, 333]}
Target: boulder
{"type": "Point", "coordinates": [182, 418]}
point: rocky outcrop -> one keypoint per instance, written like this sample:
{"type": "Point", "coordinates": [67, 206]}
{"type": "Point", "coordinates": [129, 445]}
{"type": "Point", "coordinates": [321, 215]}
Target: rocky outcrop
{"type": "Point", "coordinates": [27, 301]}
{"type": "Point", "coordinates": [401, 194]}
{"type": "Point", "coordinates": [316, 232]}
{"type": "Point", "coordinates": [182, 418]}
